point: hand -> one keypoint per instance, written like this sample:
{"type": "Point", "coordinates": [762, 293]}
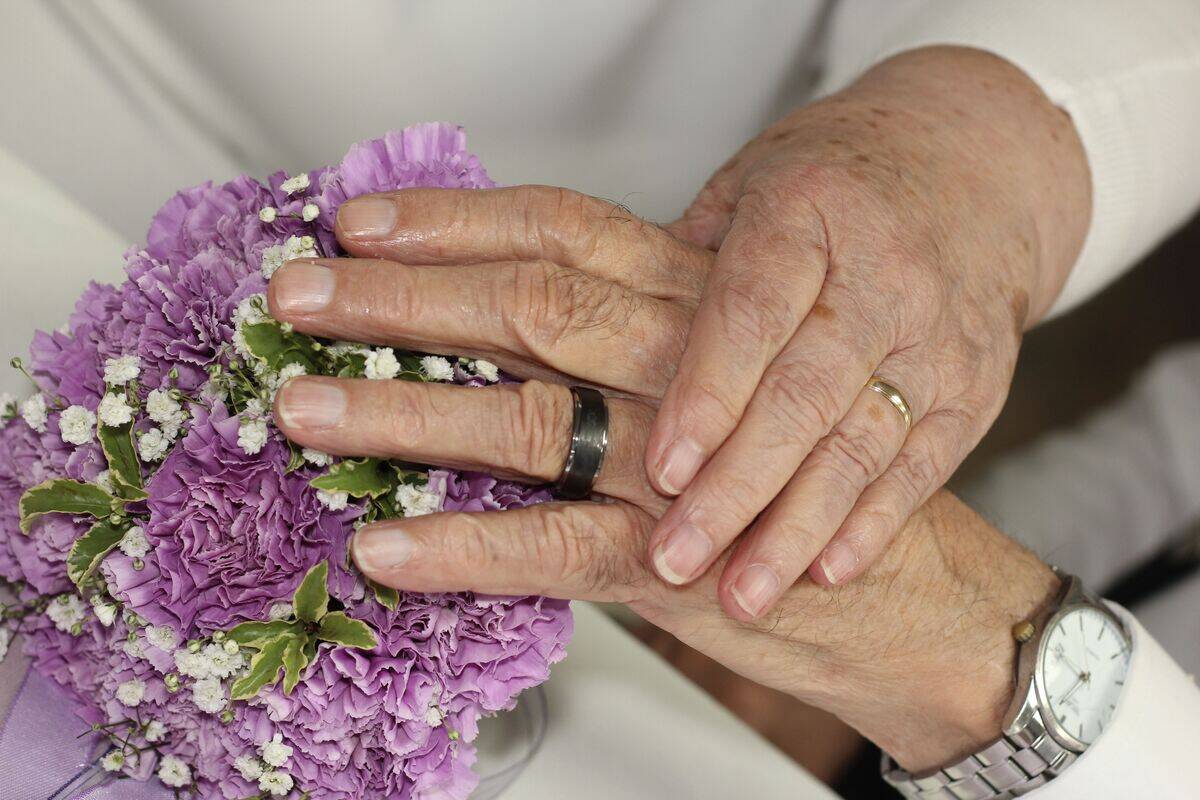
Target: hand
{"type": "Point", "coordinates": [910, 227]}
{"type": "Point", "coordinates": [547, 283]}
{"type": "Point", "coordinates": [917, 656]}
{"type": "Point", "coordinates": [599, 550]}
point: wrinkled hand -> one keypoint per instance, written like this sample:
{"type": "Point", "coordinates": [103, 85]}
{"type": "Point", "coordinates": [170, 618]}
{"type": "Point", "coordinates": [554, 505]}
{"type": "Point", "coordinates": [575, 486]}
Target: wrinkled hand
{"type": "Point", "coordinates": [910, 227]}
{"type": "Point", "coordinates": [917, 655]}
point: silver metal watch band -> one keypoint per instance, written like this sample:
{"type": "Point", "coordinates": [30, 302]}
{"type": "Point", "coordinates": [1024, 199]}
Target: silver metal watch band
{"type": "Point", "coordinates": [1011, 766]}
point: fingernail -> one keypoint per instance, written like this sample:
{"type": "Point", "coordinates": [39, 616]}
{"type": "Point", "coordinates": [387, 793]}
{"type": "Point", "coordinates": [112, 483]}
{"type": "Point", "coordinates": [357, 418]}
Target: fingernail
{"type": "Point", "coordinates": [681, 555]}
{"type": "Point", "coordinates": [755, 588]}
{"type": "Point", "coordinates": [367, 218]}
{"type": "Point", "coordinates": [307, 403]}
{"type": "Point", "coordinates": [381, 548]}
{"type": "Point", "coordinates": [303, 288]}
{"type": "Point", "coordinates": [679, 465]}
{"type": "Point", "coordinates": [838, 561]}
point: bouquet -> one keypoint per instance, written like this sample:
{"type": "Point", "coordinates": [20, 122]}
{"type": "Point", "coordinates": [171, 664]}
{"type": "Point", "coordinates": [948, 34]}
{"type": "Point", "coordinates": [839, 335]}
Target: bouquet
{"type": "Point", "coordinates": [180, 570]}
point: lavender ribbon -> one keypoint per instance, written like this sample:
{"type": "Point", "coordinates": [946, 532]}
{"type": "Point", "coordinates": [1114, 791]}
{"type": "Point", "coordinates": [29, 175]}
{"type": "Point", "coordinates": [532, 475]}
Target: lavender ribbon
{"type": "Point", "coordinates": [43, 756]}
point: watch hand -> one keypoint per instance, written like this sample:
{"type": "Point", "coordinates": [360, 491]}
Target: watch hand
{"type": "Point", "coordinates": [1071, 691]}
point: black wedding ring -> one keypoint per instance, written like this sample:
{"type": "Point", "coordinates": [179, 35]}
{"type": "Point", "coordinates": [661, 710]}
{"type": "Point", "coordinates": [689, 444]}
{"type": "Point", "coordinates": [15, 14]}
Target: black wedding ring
{"type": "Point", "coordinates": [589, 439]}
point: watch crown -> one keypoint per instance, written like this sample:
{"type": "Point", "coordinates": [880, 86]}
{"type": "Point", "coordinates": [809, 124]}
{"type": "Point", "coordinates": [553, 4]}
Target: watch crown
{"type": "Point", "coordinates": [1023, 631]}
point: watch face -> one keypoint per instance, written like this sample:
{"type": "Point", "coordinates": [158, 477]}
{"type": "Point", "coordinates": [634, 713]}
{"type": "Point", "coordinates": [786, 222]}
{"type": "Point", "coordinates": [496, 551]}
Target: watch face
{"type": "Point", "coordinates": [1084, 661]}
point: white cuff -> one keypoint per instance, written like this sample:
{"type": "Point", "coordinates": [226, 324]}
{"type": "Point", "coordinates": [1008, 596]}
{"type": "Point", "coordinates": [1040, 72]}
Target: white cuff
{"type": "Point", "coordinates": [1150, 746]}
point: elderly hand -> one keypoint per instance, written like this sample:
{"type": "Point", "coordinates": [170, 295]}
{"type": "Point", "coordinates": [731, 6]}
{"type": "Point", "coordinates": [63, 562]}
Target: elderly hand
{"type": "Point", "coordinates": [939, 606]}
{"type": "Point", "coordinates": [910, 228]}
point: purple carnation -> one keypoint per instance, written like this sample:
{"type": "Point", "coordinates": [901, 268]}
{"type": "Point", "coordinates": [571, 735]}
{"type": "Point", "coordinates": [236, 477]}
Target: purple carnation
{"type": "Point", "coordinates": [230, 534]}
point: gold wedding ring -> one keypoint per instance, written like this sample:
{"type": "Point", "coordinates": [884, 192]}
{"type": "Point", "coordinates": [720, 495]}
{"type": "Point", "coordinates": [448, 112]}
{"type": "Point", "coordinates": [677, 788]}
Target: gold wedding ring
{"type": "Point", "coordinates": [893, 396]}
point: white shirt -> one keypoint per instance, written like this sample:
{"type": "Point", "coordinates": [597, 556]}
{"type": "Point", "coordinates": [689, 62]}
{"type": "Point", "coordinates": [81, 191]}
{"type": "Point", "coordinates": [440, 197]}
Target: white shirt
{"type": "Point", "coordinates": [119, 103]}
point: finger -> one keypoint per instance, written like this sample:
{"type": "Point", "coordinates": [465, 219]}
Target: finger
{"type": "Point", "coordinates": [929, 457]}
{"type": "Point", "coordinates": [522, 223]}
{"type": "Point", "coordinates": [792, 532]}
{"type": "Point", "coordinates": [526, 317]}
{"type": "Point", "coordinates": [517, 431]}
{"type": "Point", "coordinates": [760, 289]}
{"type": "Point", "coordinates": [574, 551]}
{"type": "Point", "coordinates": [807, 390]}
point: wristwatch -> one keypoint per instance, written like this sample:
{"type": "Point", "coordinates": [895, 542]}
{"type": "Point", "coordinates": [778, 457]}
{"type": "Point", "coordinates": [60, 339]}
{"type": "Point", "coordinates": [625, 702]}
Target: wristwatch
{"type": "Point", "coordinates": [1072, 660]}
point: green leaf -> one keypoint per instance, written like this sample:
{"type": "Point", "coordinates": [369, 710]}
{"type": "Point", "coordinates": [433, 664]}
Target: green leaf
{"type": "Point", "coordinates": [258, 634]}
{"type": "Point", "coordinates": [310, 649]}
{"type": "Point", "coordinates": [90, 549]}
{"type": "Point", "coordinates": [311, 599]}
{"type": "Point", "coordinates": [358, 477]}
{"type": "Point", "coordinates": [270, 343]}
{"type": "Point", "coordinates": [337, 628]}
{"type": "Point", "coordinates": [295, 659]}
{"type": "Point", "coordinates": [386, 596]}
{"type": "Point", "coordinates": [295, 460]}
{"type": "Point", "coordinates": [264, 669]}
{"type": "Point", "coordinates": [123, 464]}
{"type": "Point", "coordinates": [66, 497]}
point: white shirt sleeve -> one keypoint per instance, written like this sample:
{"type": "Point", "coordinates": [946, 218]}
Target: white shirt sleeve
{"type": "Point", "coordinates": [1127, 73]}
{"type": "Point", "coordinates": [1149, 748]}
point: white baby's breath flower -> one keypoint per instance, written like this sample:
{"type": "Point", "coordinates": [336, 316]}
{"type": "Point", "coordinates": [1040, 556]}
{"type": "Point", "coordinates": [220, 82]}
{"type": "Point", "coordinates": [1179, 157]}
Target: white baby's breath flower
{"type": "Point", "coordinates": [103, 479]}
{"type": "Point", "coordinates": [174, 772]}
{"type": "Point", "coordinates": [268, 214]}
{"type": "Point", "coordinates": [310, 212]}
{"type": "Point", "coordinates": [131, 692]}
{"type": "Point", "coordinates": [77, 425]}
{"type": "Point", "coordinates": [252, 435]}
{"type": "Point", "coordinates": [297, 183]}
{"type": "Point", "coordinates": [299, 247]}
{"type": "Point", "coordinates": [114, 410]}
{"type": "Point", "coordinates": [437, 368]}
{"type": "Point", "coordinates": [292, 370]}
{"type": "Point", "coordinates": [334, 501]}
{"type": "Point", "coordinates": [280, 611]}
{"type": "Point", "coordinates": [381, 364]}
{"type": "Point", "coordinates": [163, 408]}
{"type": "Point", "coordinates": [272, 260]}
{"type": "Point", "coordinates": [135, 544]}
{"type": "Point", "coordinates": [193, 665]}
{"type": "Point", "coordinates": [34, 412]}
{"type": "Point", "coordinates": [251, 769]}
{"type": "Point", "coordinates": [153, 444]}
{"type": "Point", "coordinates": [316, 457]}
{"type": "Point", "coordinates": [434, 717]}
{"type": "Point", "coordinates": [486, 370]}
{"type": "Point", "coordinates": [5, 641]}
{"type": "Point", "coordinates": [250, 311]}
{"type": "Point", "coordinates": [113, 760]}
{"type": "Point", "coordinates": [276, 782]}
{"type": "Point", "coordinates": [339, 349]}
{"type": "Point", "coordinates": [209, 695]}
{"type": "Point", "coordinates": [275, 752]}
{"type": "Point", "coordinates": [222, 662]}
{"type": "Point", "coordinates": [134, 648]}
{"type": "Point", "coordinates": [105, 611]}
{"type": "Point", "coordinates": [121, 370]}
{"type": "Point", "coordinates": [162, 636]}
{"type": "Point", "coordinates": [155, 731]}
{"type": "Point", "coordinates": [415, 501]}
{"type": "Point", "coordinates": [66, 611]}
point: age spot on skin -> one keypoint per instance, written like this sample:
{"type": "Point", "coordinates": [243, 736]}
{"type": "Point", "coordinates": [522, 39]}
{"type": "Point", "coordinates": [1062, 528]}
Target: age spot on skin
{"type": "Point", "coordinates": [880, 112]}
{"type": "Point", "coordinates": [863, 158]}
{"type": "Point", "coordinates": [874, 413]}
{"type": "Point", "coordinates": [822, 311]}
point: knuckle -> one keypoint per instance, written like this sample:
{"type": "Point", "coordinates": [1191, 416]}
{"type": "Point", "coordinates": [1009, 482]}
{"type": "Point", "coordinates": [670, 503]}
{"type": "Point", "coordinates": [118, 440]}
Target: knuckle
{"type": "Point", "coordinates": [404, 407]}
{"type": "Point", "coordinates": [532, 436]}
{"type": "Point", "coordinates": [752, 308]}
{"type": "Point", "coordinates": [804, 407]}
{"type": "Point", "coordinates": [471, 547]}
{"type": "Point", "coordinates": [917, 472]}
{"type": "Point", "coordinates": [854, 455]}
{"type": "Point", "coordinates": [711, 406]}
{"type": "Point", "coordinates": [550, 304]}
